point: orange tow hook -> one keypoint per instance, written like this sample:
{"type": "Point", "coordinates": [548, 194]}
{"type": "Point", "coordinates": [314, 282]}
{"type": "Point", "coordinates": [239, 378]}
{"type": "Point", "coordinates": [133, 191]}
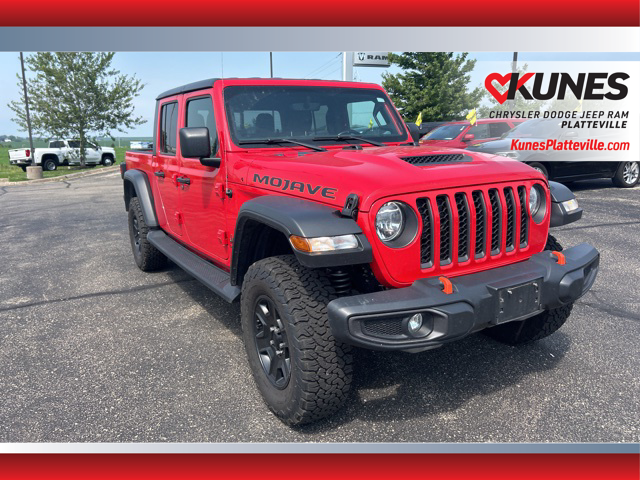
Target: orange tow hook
{"type": "Point", "coordinates": [447, 287]}
{"type": "Point", "coordinates": [561, 258]}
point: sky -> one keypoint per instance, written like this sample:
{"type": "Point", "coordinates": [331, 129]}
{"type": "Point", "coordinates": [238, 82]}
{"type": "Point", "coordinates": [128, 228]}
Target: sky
{"type": "Point", "coordinates": [161, 71]}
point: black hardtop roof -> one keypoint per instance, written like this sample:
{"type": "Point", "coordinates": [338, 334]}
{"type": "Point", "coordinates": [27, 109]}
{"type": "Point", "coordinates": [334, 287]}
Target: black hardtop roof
{"type": "Point", "coordinates": [208, 83]}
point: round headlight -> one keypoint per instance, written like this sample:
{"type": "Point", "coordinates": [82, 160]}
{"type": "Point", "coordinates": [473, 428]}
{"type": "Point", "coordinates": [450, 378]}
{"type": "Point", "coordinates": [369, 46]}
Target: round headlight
{"type": "Point", "coordinates": [389, 221]}
{"type": "Point", "coordinates": [534, 201]}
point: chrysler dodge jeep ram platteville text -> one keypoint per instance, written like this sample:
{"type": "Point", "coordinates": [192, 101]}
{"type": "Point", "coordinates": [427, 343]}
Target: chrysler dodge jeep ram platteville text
{"type": "Point", "coordinates": [312, 203]}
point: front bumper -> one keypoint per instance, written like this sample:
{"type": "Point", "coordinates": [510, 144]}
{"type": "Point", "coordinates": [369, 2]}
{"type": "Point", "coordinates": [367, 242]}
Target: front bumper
{"type": "Point", "coordinates": [378, 321]}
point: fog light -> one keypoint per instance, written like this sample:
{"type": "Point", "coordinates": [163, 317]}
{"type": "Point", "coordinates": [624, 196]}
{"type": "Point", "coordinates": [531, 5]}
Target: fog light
{"type": "Point", "coordinates": [415, 323]}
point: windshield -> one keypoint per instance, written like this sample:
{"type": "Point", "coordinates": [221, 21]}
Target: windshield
{"type": "Point", "coordinates": [445, 132]}
{"type": "Point", "coordinates": [536, 128]}
{"type": "Point", "coordinates": [305, 113]}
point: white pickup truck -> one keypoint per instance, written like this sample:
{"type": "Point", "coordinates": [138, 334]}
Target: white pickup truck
{"type": "Point", "coordinates": [62, 152]}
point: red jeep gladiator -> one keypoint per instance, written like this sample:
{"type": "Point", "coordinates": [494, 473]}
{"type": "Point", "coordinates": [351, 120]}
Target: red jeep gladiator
{"type": "Point", "coordinates": [312, 203]}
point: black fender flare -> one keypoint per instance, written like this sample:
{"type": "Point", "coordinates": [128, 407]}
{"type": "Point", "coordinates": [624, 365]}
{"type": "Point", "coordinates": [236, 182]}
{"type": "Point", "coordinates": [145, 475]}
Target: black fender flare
{"type": "Point", "coordinates": [139, 181]}
{"type": "Point", "coordinates": [295, 216]}
{"type": "Point", "coordinates": [559, 216]}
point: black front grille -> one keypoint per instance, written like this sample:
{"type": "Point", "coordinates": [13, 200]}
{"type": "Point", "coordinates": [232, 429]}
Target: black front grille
{"type": "Point", "coordinates": [426, 249]}
{"type": "Point", "coordinates": [444, 212]}
{"type": "Point", "coordinates": [496, 217]}
{"type": "Point", "coordinates": [524, 218]}
{"type": "Point", "coordinates": [438, 158]}
{"type": "Point", "coordinates": [481, 214]}
{"type": "Point", "coordinates": [511, 218]}
{"type": "Point", "coordinates": [463, 226]}
{"type": "Point", "coordinates": [485, 222]}
{"type": "Point", "coordinates": [383, 327]}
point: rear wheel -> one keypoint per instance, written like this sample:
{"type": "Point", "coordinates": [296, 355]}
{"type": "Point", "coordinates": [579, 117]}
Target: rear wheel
{"type": "Point", "coordinates": [49, 165]}
{"type": "Point", "coordinates": [627, 175]}
{"type": "Point", "coordinates": [147, 257]}
{"type": "Point", "coordinates": [537, 327]}
{"type": "Point", "coordinates": [302, 372]}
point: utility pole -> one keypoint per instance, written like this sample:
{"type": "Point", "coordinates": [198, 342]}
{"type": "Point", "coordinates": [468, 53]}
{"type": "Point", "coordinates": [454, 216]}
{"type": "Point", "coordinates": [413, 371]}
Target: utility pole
{"type": "Point", "coordinates": [347, 66]}
{"type": "Point", "coordinates": [36, 171]}
{"type": "Point", "coordinates": [514, 69]}
{"type": "Point", "coordinates": [271, 63]}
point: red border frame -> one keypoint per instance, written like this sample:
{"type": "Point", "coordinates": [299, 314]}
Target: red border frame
{"type": "Point", "coordinates": [322, 466]}
{"type": "Point", "coordinates": [577, 13]}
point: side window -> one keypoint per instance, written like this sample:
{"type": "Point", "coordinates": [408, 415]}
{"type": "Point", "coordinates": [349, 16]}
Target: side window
{"type": "Point", "coordinates": [498, 128]}
{"type": "Point", "coordinates": [169, 128]}
{"type": "Point", "coordinates": [200, 114]}
{"type": "Point", "coordinates": [480, 131]}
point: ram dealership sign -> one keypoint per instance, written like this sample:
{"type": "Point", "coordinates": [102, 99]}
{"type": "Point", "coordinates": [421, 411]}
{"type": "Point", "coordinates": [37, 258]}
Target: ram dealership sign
{"type": "Point", "coordinates": [371, 59]}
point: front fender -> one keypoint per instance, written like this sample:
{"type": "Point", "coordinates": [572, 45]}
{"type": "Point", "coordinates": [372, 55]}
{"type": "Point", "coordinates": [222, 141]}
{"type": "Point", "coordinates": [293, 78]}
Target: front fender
{"type": "Point", "coordinates": [559, 216]}
{"type": "Point", "coordinates": [294, 216]}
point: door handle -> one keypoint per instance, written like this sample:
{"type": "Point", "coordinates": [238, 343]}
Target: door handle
{"type": "Point", "coordinates": [159, 173]}
{"type": "Point", "coordinates": [183, 180]}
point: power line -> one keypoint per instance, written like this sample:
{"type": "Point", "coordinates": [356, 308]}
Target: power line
{"type": "Point", "coordinates": [322, 67]}
{"type": "Point", "coordinates": [331, 72]}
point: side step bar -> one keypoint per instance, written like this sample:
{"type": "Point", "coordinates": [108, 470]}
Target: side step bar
{"type": "Point", "coordinates": [205, 272]}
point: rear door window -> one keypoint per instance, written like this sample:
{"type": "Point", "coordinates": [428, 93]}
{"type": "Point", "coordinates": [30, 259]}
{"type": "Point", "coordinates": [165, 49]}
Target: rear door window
{"type": "Point", "coordinates": [169, 128]}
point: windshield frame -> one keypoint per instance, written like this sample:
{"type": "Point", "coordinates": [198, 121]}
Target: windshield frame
{"type": "Point", "coordinates": [396, 121]}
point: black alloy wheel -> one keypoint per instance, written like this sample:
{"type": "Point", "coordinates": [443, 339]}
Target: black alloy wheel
{"type": "Point", "coordinates": [271, 342]}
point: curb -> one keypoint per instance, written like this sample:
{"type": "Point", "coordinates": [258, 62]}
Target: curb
{"type": "Point", "coordinates": [62, 178]}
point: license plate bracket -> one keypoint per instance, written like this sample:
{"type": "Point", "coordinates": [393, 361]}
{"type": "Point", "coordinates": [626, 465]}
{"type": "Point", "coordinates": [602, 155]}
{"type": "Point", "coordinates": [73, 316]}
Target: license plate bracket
{"type": "Point", "coordinates": [518, 302]}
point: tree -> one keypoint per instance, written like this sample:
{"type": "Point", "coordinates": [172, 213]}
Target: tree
{"type": "Point", "coordinates": [518, 104]}
{"type": "Point", "coordinates": [77, 95]}
{"type": "Point", "coordinates": [434, 83]}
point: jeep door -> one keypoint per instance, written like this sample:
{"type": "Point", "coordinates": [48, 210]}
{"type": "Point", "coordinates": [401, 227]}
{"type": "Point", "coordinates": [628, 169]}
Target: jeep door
{"type": "Point", "coordinates": [203, 203]}
{"type": "Point", "coordinates": [166, 163]}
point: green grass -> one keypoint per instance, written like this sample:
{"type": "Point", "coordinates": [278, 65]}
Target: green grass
{"type": "Point", "coordinates": [15, 174]}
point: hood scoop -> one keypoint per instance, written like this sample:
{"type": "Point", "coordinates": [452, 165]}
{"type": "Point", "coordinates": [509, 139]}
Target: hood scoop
{"type": "Point", "coordinates": [437, 159]}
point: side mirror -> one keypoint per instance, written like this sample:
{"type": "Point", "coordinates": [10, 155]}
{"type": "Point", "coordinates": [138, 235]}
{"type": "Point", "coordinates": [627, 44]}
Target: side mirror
{"type": "Point", "coordinates": [415, 133]}
{"type": "Point", "coordinates": [468, 137]}
{"type": "Point", "coordinates": [195, 143]}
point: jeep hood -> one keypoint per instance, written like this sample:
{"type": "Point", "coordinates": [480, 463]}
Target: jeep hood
{"type": "Point", "coordinates": [376, 172]}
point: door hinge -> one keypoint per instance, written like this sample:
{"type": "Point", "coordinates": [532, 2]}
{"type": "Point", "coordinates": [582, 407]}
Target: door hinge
{"type": "Point", "coordinates": [179, 218]}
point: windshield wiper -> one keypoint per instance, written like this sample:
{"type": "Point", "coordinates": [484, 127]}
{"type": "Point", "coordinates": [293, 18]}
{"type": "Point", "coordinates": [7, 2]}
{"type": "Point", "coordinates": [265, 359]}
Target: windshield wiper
{"type": "Point", "coordinates": [270, 141]}
{"type": "Point", "coordinates": [349, 137]}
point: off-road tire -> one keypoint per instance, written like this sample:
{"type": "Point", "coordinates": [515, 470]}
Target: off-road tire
{"type": "Point", "coordinates": [619, 178]}
{"type": "Point", "coordinates": [147, 257]}
{"type": "Point", "coordinates": [553, 244]}
{"type": "Point", "coordinates": [534, 328]}
{"type": "Point", "coordinates": [320, 367]}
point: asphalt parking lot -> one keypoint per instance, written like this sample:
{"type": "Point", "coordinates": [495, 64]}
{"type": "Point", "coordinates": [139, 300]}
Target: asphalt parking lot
{"type": "Point", "coordinates": [93, 349]}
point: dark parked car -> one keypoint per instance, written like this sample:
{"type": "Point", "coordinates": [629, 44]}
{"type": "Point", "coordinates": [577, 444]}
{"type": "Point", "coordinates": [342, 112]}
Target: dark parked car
{"type": "Point", "coordinates": [565, 165]}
